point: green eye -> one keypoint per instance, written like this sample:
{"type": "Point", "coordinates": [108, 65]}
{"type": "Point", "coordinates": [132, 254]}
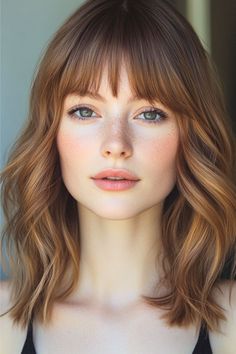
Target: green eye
{"type": "Point", "coordinates": [84, 112]}
{"type": "Point", "coordinates": [150, 115]}
{"type": "Point", "coordinates": [154, 115]}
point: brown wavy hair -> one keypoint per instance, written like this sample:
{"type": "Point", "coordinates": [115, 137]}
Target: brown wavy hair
{"type": "Point", "coordinates": [166, 61]}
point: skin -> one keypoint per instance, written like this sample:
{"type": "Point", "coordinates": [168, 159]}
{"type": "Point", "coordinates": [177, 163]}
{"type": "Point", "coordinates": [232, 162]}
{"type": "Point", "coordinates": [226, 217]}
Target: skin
{"type": "Point", "coordinates": [120, 231]}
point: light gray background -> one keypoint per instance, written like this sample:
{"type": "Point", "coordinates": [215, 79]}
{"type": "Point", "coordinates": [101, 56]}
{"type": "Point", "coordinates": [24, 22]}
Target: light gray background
{"type": "Point", "coordinates": [26, 28]}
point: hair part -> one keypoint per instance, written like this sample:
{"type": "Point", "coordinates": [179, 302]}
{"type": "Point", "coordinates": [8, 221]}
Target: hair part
{"type": "Point", "coordinates": [165, 61]}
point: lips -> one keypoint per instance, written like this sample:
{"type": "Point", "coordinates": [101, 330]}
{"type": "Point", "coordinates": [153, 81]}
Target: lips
{"type": "Point", "coordinates": [124, 174]}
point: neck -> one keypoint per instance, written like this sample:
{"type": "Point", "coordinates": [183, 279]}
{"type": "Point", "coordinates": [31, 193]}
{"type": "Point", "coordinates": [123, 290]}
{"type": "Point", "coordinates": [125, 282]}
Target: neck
{"type": "Point", "coordinates": [119, 258]}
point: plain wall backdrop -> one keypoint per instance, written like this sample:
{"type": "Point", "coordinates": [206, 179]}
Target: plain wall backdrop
{"type": "Point", "coordinates": [26, 28]}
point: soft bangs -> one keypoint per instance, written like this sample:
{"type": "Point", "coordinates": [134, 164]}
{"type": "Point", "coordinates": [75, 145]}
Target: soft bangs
{"type": "Point", "coordinates": [114, 39]}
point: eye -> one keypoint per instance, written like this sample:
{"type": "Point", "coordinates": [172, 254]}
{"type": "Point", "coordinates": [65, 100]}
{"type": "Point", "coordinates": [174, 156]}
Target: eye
{"type": "Point", "coordinates": [84, 112]}
{"type": "Point", "coordinates": [151, 115]}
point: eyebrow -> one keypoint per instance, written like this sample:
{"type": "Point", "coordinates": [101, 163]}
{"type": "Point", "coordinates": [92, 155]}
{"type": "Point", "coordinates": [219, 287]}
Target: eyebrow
{"type": "Point", "coordinates": [99, 97]}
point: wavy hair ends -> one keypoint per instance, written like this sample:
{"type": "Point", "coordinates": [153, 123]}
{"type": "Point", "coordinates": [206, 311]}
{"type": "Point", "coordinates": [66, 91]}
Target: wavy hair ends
{"type": "Point", "coordinates": [166, 61]}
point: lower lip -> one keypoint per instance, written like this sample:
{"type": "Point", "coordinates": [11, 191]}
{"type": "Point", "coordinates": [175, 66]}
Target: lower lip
{"type": "Point", "coordinates": [114, 185]}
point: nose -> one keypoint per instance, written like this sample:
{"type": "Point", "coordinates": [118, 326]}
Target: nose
{"type": "Point", "coordinates": [117, 143]}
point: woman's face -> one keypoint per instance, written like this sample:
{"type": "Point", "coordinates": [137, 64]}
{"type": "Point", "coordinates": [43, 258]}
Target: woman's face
{"type": "Point", "coordinates": [116, 133]}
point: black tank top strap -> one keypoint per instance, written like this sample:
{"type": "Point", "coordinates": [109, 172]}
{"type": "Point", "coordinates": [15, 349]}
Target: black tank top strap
{"type": "Point", "coordinates": [203, 345]}
{"type": "Point", "coordinates": [29, 344]}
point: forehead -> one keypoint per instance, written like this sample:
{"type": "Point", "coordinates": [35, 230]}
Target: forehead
{"type": "Point", "coordinates": [123, 82]}
{"type": "Point", "coordinates": [103, 91]}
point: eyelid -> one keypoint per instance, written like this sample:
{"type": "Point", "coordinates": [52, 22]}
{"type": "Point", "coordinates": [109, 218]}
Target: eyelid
{"type": "Point", "coordinates": [141, 110]}
{"type": "Point", "coordinates": [76, 107]}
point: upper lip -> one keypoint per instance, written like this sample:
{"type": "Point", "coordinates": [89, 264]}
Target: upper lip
{"type": "Point", "coordinates": [116, 173]}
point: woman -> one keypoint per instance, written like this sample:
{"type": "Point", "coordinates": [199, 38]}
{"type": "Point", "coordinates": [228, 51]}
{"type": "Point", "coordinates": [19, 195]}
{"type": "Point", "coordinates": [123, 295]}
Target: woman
{"type": "Point", "coordinates": [125, 91]}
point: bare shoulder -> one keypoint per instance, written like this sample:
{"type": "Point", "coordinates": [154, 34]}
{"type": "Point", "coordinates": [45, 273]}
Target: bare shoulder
{"type": "Point", "coordinates": [5, 302]}
{"type": "Point", "coordinates": [225, 342]}
{"type": "Point", "coordinates": [8, 331]}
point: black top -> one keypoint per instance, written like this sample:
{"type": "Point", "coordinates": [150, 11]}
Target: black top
{"type": "Point", "coordinates": [29, 344]}
{"type": "Point", "coordinates": [202, 346]}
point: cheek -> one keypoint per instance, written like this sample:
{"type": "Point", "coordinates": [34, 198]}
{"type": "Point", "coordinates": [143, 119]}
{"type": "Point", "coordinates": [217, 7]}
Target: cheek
{"type": "Point", "coordinates": [72, 148]}
{"type": "Point", "coordinates": [162, 153]}
{"type": "Point", "coordinates": [73, 153]}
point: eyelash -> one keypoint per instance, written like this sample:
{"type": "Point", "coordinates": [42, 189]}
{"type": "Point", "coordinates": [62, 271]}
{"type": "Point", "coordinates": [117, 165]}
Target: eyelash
{"type": "Point", "coordinates": [161, 113]}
